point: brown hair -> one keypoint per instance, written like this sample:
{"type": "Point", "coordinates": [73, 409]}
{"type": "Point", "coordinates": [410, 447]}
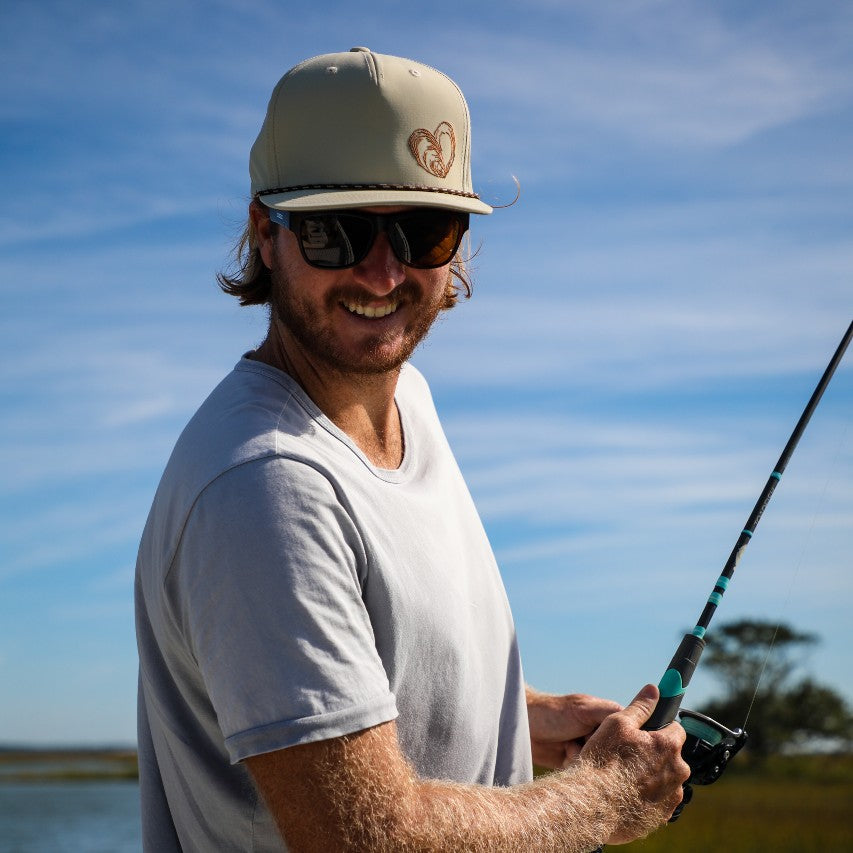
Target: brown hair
{"type": "Point", "coordinates": [250, 281]}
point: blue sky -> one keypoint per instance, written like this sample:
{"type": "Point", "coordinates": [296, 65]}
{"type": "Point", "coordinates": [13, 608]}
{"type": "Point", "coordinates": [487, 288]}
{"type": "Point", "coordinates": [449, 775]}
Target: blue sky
{"type": "Point", "coordinates": [648, 320]}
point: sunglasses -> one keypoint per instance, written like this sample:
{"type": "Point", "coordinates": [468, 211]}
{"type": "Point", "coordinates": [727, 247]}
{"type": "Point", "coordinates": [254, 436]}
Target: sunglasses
{"type": "Point", "coordinates": [337, 239]}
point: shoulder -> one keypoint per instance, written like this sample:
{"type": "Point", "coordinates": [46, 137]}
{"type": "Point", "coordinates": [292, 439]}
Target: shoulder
{"type": "Point", "coordinates": [254, 415]}
{"type": "Point", "coordinates": [242, 419]}
{"type": "Point", "coordinates": [272, 512]}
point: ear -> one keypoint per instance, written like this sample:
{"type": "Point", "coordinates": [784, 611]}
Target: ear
{"type": "Point", "coordinates": [263, 231]}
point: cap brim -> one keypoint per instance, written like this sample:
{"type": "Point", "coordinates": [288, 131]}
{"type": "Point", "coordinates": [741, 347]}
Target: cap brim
{"type": "Point", "coordinates": [335, 199]}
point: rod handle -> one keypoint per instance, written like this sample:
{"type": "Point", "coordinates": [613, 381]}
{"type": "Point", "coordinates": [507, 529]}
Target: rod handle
{"type": "Point", "coordinates": [675, 681]}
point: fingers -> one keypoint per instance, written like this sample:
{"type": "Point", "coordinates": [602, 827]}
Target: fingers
{"type": "Point", "coordinates": [643, 704]}
{"type": "Point", "coordinates": [560, 725]}
{"type": "Point", "coordinates": [571, 751]}
{"type": "Point", "coordinates": [564, 718]}
{"type": "Point", "coordinates": [593, 711]}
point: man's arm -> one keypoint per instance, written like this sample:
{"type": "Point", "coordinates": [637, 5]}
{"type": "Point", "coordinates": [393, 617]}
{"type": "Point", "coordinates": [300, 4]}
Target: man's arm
{"type": "Point", "coordinates": [358, 793]}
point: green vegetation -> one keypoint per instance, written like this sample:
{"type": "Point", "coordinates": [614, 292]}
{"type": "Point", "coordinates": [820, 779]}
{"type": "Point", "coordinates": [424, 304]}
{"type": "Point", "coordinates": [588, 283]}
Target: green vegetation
{"type": "Point", "coordinates": [67, 765]}
{"type": "Point", "coordinates": [790, 712]}
{"type": "Point", "coordinates": [791, 803]}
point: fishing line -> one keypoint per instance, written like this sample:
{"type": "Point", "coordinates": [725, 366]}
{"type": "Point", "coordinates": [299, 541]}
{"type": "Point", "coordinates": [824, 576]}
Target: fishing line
{"type": "Point", "coordinates": [806, 548]}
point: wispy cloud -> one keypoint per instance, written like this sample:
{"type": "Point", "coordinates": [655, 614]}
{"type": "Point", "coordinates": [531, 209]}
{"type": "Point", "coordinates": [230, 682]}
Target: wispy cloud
{"type": "Point", "coordinates": [673, 76]}
{"type": "Point", "coordinates": [624, 342]}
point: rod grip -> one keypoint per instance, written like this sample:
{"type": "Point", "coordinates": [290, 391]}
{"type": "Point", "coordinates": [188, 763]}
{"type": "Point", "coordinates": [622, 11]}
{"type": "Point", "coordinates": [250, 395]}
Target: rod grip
{"type": "Point", "coordinates": [675, 680]}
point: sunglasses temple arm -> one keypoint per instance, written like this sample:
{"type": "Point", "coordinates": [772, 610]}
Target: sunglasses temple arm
{"type": "Point", "coordinates": [280, 217]}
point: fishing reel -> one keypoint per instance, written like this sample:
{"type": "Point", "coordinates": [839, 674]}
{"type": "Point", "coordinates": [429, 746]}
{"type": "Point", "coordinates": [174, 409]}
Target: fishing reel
{"type": "Point", "coordinates": [707, 750]}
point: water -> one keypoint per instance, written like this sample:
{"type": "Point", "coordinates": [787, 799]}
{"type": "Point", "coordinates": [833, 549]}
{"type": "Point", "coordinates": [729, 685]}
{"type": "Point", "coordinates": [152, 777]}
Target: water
{"type": "Point", "coordinates": [69, 817]}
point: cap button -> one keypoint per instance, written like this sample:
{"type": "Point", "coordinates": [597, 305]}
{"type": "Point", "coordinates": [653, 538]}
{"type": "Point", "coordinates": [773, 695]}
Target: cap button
{"type": "Point", "coordinates": [360, 50]}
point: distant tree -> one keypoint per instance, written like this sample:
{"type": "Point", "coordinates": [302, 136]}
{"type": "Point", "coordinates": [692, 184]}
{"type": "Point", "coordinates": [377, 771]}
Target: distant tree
{"type": "Point", "coordinates": [785, 713]}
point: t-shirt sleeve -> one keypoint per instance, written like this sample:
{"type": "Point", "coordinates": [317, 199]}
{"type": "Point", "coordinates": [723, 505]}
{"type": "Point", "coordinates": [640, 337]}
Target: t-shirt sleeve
{"type": "Point", "coordinates": [266, 588]}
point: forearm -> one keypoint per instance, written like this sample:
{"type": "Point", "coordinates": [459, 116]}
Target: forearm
{"type": "Point", "coordinates": [572, 811]}
{"type": "Point", "coordinates": [358, 793]}
{"type": "Point", "coordinates": [364, 797]}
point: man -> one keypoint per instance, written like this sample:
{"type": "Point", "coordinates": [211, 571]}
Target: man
{"type": "Point", "coordinates": [326, 651]}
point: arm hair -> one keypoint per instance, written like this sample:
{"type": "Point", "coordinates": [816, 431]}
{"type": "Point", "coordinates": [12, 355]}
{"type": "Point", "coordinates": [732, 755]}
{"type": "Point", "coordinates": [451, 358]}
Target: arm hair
{"type": "Point", "coordinates": [358, 793]}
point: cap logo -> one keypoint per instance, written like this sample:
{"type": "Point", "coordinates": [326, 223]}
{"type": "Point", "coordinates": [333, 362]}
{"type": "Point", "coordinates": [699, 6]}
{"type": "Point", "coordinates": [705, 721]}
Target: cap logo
{"type": "Point", "coordinates": [434, 150]}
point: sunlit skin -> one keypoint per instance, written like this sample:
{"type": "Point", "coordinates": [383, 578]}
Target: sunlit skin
{"type": "Point", "coordinates": [347, 362]}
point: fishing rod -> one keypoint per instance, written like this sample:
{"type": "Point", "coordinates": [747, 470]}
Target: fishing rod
{"type": "Point", "coordinates": [709, 745]}
{"type": "Point", "coordinates": [684, 661]}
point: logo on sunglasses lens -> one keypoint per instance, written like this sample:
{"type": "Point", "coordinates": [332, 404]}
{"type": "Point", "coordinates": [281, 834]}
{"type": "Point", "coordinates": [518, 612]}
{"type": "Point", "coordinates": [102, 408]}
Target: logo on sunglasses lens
{"type": "Point", "coordinates": [435, 150]}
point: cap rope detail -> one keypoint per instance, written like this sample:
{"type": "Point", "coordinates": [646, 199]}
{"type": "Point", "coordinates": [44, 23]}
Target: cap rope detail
{"type": "Point", "coordinates": [436, 150]}
{"type": "Point", "coordinates": [401, 187]}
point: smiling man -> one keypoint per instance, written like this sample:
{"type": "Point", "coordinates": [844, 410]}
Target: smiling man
{"type": "Point", "coordinates": [327, 657]}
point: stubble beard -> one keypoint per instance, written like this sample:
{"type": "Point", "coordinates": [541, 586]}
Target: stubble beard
{"type": "Point", "coordinates": [317, 337]}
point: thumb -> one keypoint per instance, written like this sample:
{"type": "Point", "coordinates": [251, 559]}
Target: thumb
{"type": "Point", "coordinates": [643, 704]}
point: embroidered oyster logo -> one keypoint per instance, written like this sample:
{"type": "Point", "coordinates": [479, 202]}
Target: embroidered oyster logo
{"type": "Point", "coordinates": [434, 150]}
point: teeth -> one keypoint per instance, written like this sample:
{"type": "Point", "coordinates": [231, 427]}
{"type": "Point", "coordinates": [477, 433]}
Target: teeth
{"type": "Point", "coordinates": [368, 311]}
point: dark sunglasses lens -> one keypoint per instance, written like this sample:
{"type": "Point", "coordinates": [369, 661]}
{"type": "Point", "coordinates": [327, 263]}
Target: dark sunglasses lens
{"type": "Point", "coordinates": [424, 238]}
{"type": "Point", "coordinates": [427, 238]}
{"type": "Point", "coordinates": [335, 241]}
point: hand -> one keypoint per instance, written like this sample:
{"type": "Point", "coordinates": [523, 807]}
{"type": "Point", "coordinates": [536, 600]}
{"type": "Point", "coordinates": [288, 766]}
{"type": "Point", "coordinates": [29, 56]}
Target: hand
{"type": "Point", "coordinates": [559, 725]}
{"type": "Point", "coordinates": [650, 763]}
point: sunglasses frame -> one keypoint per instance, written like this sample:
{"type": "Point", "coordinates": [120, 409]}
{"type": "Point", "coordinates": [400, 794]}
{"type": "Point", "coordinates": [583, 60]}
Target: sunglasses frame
{"type": "Point", "coordinates": [292, 220]}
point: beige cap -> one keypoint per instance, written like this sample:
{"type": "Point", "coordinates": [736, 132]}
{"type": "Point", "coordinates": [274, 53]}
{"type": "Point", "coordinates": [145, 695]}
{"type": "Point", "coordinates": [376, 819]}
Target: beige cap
{"type": "Point", "coordinates": [360, 128]}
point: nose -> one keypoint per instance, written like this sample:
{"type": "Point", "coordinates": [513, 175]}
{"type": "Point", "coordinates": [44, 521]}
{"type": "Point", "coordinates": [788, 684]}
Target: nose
{"type": "Point", "coordinates": [381, 271]}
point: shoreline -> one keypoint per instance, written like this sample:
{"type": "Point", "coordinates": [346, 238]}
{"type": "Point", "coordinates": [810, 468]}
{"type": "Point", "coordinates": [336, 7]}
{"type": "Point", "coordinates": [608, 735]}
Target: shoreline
{"type": "Point", "coordinates": [66, 764]}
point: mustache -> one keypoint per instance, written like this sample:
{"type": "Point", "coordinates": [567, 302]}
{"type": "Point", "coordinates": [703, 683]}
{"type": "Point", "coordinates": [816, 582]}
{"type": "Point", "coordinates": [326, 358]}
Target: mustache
{"type": "Point", "coordinates": [406, 291]}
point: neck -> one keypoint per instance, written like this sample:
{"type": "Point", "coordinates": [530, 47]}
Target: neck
{"type": "Point", "coordinates": [362, 405]}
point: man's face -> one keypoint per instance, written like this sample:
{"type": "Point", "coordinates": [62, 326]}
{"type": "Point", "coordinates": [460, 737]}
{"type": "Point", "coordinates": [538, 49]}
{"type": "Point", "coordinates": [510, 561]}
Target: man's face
{"type": "Point", "coordinates": [364, 320]}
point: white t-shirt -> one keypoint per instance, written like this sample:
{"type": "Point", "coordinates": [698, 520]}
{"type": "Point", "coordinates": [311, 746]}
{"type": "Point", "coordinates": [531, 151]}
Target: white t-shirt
{"type": "Point", "coordinates": [289, 591]}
